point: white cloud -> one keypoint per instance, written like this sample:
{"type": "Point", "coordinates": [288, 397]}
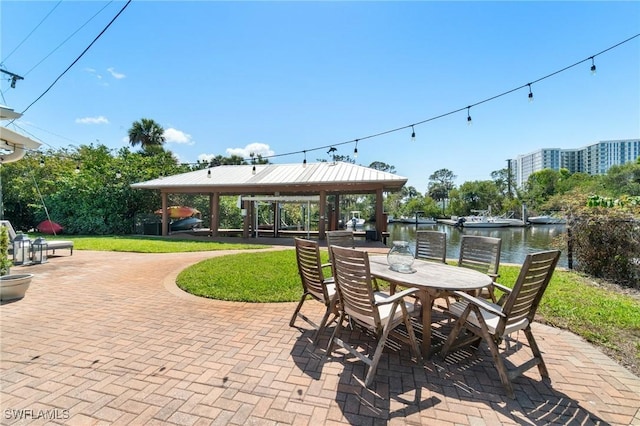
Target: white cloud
{"type": "Point", "coordinates": [172, 135]}
{"type": "Point", "coordinates": [114, 74]}
{"type": "Point", "coordinates": [92, 120]}
{"type": "Point", "coordinates": [93, 72]}
{"type": "Point", "coordinates": [205, 158]}
{"type": "Point", "coordinates": [255, 148]}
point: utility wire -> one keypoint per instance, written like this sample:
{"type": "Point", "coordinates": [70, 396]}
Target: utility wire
{"type": "Point", "coordinates": [67, 39]}
{"type": "Point", "coordinates": [78, 58]}
{"type": "Point", "coordinates": [32, 31]}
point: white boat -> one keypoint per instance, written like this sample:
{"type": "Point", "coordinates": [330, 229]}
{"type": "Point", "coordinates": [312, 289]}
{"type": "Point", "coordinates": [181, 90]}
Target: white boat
{"type": "Point", "coordinates": [412, 220]}
{"type": "Point", "coordinates": [512, 221]}
{"type": "Point", "coordinates": [546, 220]}
{"type": "Point", "coordinates": [482, 220]}
{"type": "Point", "coordinates": [355, 220]}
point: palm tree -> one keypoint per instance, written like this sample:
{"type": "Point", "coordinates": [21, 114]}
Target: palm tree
{"type": "Point", "coordinates": [147, 133]}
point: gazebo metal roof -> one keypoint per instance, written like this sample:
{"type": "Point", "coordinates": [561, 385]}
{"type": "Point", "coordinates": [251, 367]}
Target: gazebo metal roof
{"type": "Point", "coordinates": [285, 179]}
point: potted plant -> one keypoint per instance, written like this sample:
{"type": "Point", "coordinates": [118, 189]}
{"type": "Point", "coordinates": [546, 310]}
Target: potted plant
{"type": "Point", "coordinates": [14, 286]}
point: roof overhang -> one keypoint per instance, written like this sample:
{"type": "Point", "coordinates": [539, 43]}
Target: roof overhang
{"type": "Point", "coordinates": [16, 145]}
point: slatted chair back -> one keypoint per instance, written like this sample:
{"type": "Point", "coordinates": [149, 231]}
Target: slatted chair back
{"type": "Point", "coordinates": [481, 254]}
{"type": "Point", "coordinates": [340, 238]}
{"type": "Point", "coordinates": [314, 283]}
{"type": "Point", "coordinates": [431, 245]}
{"type": "Point", "coordinates": [310, 269]}
{"type": "Point", "coordinates": [524, 299]}
{"type": "Point", "coordinates": [355, 285]}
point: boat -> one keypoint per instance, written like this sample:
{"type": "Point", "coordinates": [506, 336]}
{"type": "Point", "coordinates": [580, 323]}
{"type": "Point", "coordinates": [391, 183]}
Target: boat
{"type": "Point", "coordinates": [186, 224]}
{"type": "Point", "coordinates": [413, 220]}
{"type": "Point", "coordinates": [481, 220]}
{"type": "Point", "coordinates": [508, 217]}
{"type": "Point", "coordinates": [546, 220]}
{"type": "Point", "coordinates": [355, 220]}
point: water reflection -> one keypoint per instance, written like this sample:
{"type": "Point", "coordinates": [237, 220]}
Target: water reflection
{"type": "Point", "coordinates": [517, 242]}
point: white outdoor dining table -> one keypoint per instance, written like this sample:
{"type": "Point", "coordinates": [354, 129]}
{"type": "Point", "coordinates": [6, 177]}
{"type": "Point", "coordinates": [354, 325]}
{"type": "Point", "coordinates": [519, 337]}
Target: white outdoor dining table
{"type": "Point", "coordinates": [432, 279]}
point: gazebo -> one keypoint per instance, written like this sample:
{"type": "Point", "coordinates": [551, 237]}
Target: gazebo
{"type": "Point", "coordinates": [277, 182]}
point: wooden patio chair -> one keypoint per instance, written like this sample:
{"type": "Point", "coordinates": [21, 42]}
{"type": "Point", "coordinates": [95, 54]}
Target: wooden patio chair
{"type": "Point", "coordinates": [373, 310]}
{"type": "Point", "coordinates": [341, 239]}
{"type": "Point", "coordinates": [493, 322]}
{"type": "Point", "coordinates": [483, 255]}
{"type": "Point", "coordinates": [431, 245]}
{"type": "Point", "coordinates": [314, 283]}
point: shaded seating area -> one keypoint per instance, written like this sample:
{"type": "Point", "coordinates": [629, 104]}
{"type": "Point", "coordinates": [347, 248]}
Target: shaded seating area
{"type": "Point", "coordinates": [51, 245]}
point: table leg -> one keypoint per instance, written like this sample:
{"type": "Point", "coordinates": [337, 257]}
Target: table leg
{"type": "Point", "coordinates": [426, 323]}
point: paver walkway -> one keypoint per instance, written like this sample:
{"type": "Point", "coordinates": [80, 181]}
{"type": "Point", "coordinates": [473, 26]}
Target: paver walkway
{"type": "Point", "coordinates": [107, 338]}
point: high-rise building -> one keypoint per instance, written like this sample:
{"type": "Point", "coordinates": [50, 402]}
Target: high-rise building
{"type": "Point", "coordinates": [593, 159]}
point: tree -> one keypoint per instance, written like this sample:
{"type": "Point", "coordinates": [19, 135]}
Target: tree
{"type": "Point", "coordinates": [383, 167]}
{"type": "Point", "coordinates": [440, 183]}
{"type": "Point", "coordinates": [148, 134]}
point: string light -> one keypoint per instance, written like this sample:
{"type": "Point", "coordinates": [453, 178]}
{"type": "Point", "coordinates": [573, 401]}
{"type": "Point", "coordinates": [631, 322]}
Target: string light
{"type": "Point", "coordinates": [253, 170]}
{"type": "Point", "coordinates": [42, 162]}
{"type": "Point", "coordinates": [593, 66]}
{"type": "Point", "coordinates": [209, 173]}
{"type": "Point", "coordinates": [530, 93]}
{"type": "Point", "coordinates": [118, 174]}
{"type": "Point", "coordinates": [413, 134]}
{"type": "Point", "coordinates": [304, 162]}
{"type": "Point", "coordinates": [78, 168]}
{"type": "Point", "coordinates": [469, 122]}
{"type": "Point", "coordinates": [355, 150]}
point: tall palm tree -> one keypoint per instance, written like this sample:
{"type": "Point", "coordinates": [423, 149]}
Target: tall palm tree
{"type": "Point", "coordinates": [147, 133]}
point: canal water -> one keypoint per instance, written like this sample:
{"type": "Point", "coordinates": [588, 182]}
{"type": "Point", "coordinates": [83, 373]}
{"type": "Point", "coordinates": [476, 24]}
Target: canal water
{"type": "Point", "coordinates": [517, 242]}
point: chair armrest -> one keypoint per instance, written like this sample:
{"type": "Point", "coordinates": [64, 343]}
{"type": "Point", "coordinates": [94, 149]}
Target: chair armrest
{"type": "Point", "coordinates": [502, 287]}
{"type": "Point", "coordinates": [489, 307]}
{"type": "Point", "coordinates": [494, 276]}
{"type": "Point", "coordinates": [396, 296]}
{"type": "Point", "coordinates": [326, 265]}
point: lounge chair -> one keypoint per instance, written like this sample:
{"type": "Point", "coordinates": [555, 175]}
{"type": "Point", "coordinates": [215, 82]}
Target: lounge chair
{"type": "Point", "coordinates": [52, 245]}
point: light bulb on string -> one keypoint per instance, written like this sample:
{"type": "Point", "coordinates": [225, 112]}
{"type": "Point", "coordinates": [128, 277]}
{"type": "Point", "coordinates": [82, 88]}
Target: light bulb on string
{"type": "Point", "coordinates": [304, 162]}
{"type": "Point", "coordinates": [413, 134]}
{"type": "Point", "coordinates": [593, 66]}
{"type": "Point", "coordinates": [469, 121]}
{"type": "Point", "coordinates": [78, 168]}
{"type": "Point", "coordinates": [118, 174]}
{"type": "Point", "coordinates": [42, 162]}
{"type": "Point", "coordinates": [530, 94]}
{"type": "Point", "coordinates": [355, 150]}
{"type": "Point", "coordinates": [209, 173]}
{"type": "Point", "coordinates": [253, 170]}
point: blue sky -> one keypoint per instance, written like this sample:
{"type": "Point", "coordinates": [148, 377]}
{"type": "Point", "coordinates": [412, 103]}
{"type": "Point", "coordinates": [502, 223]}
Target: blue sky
{"type": "Point", "coordinates": [282, 77]}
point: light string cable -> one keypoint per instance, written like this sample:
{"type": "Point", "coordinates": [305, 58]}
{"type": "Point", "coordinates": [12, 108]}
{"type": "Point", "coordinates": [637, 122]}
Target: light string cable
{"type": "Point", "coordinates": [79, 56]}
{"type": "Point", "coordinates": [468, 107]}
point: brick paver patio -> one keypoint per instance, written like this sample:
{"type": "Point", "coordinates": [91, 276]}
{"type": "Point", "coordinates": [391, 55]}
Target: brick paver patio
{"type": "Point", "coordinates": [107, 338]}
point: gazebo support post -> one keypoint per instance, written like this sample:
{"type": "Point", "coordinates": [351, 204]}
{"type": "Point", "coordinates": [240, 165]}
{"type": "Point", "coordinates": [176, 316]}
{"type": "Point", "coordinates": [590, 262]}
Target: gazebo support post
{"type": "Point", "coordinates": [246, 220]}
{"type": "Point", "coordinates": [323, 215]}
{"type": "Point", "coordinates": [336, 209]}
{"type": "Point", "coordinates": [380, 225]}
{"type": "Point", "coordinates": [214, 209]}
{"type": "Point", "coordinates": [165, 214]}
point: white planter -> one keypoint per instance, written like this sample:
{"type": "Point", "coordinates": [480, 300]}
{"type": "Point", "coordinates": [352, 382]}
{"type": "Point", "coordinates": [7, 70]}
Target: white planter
{"type": "Point", "coordinates": [13, 287]}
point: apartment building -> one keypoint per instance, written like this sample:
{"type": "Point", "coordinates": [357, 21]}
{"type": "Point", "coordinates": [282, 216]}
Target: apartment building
{"type": "Point", "coordinates": [593, 159]}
